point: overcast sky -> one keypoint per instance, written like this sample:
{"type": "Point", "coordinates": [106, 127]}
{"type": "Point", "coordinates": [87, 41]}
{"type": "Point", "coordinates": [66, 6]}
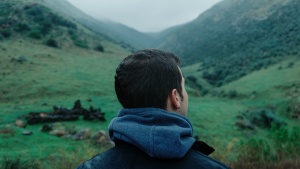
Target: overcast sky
{"type": "Point", "coordinates": [145, 15]}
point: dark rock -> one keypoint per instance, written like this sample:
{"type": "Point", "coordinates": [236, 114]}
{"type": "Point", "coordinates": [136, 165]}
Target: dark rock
{"type": "Point", "coordinates": [7, 131]}
{"type": "Point", "coordinates": [27, 133]}
{"type": "Point", "coordinates": [46, 128]}
{"type": "Point", "coordinates": [64, 114]}
{"type": "Point", "coordinates": [59, 132]}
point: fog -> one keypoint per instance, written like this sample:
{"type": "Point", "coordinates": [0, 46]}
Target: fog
{"type": "Point", "coordinates": [145, 15]}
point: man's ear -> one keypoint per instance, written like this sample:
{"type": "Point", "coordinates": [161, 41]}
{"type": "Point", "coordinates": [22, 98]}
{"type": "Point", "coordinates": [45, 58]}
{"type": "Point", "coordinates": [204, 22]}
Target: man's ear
{"type": "Point", "coordinates": [175, 99]}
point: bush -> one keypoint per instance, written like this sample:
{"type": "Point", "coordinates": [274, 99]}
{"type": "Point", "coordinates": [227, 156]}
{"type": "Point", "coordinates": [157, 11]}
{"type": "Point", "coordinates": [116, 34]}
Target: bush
{"type": "Point", "coordinates": [254, 150]}
{"type": "Point", "coordinates": [5, 8]}
{"type": "Point", "coordinates": [72, 33]}
{"type": "Point", "coordinates": [21, 27]}
{"type": "Point", "coordinates": [52, 43]}
{"type": "Point", "coordinates": [36, 10]}
{"type": "Point", "coordinates": [18, 163]}
{"type": "Point", "coordinates": [99, 48]}
{"type": "Point", "coordinates": [281, 146]}
{"type": "Point", "coordinates": [46, 27]}
{"type": "Point", "coordinates": [192, 78]}
{"type": "Point", "coordinates": [1, 37]}
{"type": "Point", "coordinates": [286, 142]}
{"type": "Point", "coordinates": [232, 93]}
{"type": "Point", "coordinates": [62, 22]}
{"type": "Point", "coordinates": [36, 34]}
{"type": "Point", "coordinates": [81, 44]}
{"type": "Point", "coordinates": [6, 33]}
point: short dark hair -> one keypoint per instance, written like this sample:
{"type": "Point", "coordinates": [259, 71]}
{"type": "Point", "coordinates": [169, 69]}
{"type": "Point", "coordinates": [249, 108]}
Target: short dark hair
{"type": "Point", "coordinates": [146, 77]}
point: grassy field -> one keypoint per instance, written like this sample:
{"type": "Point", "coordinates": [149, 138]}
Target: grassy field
{"type": "Point", "coordinates": [51, 77]}
{"type": "Point", "coordinates": [48, 77]}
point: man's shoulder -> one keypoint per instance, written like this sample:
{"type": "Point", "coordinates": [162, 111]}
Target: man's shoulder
{"type": "Point", "coordinates": [120, 155]}
{"type": "Point", "coordinates": [195, 158]}
{"type": "Point", "coordinates": [129, 156]}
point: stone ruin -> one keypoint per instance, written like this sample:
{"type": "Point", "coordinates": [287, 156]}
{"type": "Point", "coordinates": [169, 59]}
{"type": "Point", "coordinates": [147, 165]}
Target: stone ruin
{"type": "Point", "coordinates": [60, 114]}
{"type": "Point", "coordinates": [65, 114]}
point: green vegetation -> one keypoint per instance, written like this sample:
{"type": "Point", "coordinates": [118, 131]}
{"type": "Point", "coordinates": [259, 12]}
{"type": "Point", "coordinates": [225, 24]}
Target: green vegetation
{"type": "Point", "coordinates": [52, 43]}
{"type": "Point", "coordinates": [51, 60]}
{"type": "Point", "coordinates": [233, 39]}
{"type": "Point", "coordinates": [39, 22]}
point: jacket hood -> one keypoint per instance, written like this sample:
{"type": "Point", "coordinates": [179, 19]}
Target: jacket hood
{"type": "Point", "coordinates": [159, 133]}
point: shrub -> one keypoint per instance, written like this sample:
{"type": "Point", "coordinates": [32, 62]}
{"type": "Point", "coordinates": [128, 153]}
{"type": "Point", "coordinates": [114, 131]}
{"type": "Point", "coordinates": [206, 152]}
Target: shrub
{"type": "Point", "coordinates": [232, 93]}
{"type": "Point", "coordinates": [36, 10]}
{"type": "Point", "coordinates": [18, 163]}
{"type": "Point", "coordinates": [99, 48]}
{"type": "Point", "coordinates": [5, 8]}
{"type": "Point", "coordinates": [81, 44]}
{"type": "Point", "coordinates": [290, 65]}
{"type": "Point", "coordinates": [52, 43]}
{"type": "Point", "coordinates": [254, 150]}
{"type": "Point", "coordinates": [286, 141]}
{"type": "Point", "coordinates": [46, 27]}
{"type": "Point", "coordinates": [62, 22]}
{"type": "Point", "coordinates": [72, 33]}
{"type": "Point", "coordinates": [1, 37]}
{"type": "Point", "coordinates": [192, 78]}
{"type": "Point", "coordinates": [21, 27]}
{"type": "Point", "coordinates": [36, 34]}
{"type": "Point", "coordinates": [6, 33]}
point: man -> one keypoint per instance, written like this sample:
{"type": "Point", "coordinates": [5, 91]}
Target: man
{"type": "Point", "coordinates": [151, 131]}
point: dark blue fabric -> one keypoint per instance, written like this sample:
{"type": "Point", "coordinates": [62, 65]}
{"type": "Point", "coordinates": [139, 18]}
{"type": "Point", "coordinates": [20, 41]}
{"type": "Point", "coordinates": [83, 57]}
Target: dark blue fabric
{"type": "Point", "coordinates": [159, 133]}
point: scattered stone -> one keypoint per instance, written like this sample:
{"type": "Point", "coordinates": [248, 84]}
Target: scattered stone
{"type": "Point", "coordinates": [82, 135]}
{"type": "Point", "coordinates": [21, 59]}
{"type": "Point", "coordinates": [103, 139]}
{"type": "Point", "coordinates": [59, 133]}
{"type": "Point", "coordinates": [27, 133]}
{"type": "Point", "coordinates": [7, 131]}
{"type": "Point", "coordinates": [45, 104]}
{"type": "Point", "coordinates": [47, 128]}
{"type": "Point", "coordinates": [20, 123]}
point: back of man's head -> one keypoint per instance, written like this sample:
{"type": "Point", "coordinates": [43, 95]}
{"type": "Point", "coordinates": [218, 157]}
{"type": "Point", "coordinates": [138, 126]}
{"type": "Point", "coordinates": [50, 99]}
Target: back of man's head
{"type": "Point", "coordinates": [146, 77]}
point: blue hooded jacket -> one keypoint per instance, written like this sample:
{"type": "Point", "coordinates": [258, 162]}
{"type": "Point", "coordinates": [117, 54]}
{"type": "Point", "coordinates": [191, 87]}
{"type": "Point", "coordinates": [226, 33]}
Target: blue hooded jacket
{"type": "Point", "coordinates": [159, 133]}
{"type": "Point", "coordinates": [148, 138]}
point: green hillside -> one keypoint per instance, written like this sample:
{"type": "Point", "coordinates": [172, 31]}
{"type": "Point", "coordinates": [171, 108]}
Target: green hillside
{"type": "Point", "coordinates": [234, 38]}
{"type": "Point", "coordinates": [36, 75]}
{"type": "Point", "coordinates": [116, 32]}
{"type": "Point", "coordinates": [52, 59]}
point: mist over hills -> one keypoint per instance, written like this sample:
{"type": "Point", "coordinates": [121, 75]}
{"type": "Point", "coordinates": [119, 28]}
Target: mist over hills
{"type": "Point", "coordinates": [116, 32]}
{"type": "Point", "coordinates": [258, 32]}
{"type": "Point", "coordinates": [230, 40]}
{"type": "Point", "coordinates": [238, 28]}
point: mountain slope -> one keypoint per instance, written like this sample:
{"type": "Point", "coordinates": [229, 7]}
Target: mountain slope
{"type": "Point", "coordinates": [238, 36]}
{"type": "Point", "coordinates": [41, 50]}
{"type": "Point", "coordinates": [31, 19]}
{"type": "Point", "coordinates": [116, 32]}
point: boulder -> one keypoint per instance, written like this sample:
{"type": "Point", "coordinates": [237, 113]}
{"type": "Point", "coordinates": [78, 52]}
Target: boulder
{"type": "Point", "coordinates": [82, 135]}
{"type": "Point", "coordinates": [27, 133]}
{"type": "Point", "coordinates": [59, 132]}
{"type": "Point", "coordinates": [20, 123]}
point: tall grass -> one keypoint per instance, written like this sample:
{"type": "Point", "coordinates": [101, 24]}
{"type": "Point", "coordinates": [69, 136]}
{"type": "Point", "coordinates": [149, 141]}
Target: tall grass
{"type": "Point", "coordinates": [280, 150]}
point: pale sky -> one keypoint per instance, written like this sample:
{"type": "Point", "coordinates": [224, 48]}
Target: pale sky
{"type": "Point", "coordinates": [145, 15]}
